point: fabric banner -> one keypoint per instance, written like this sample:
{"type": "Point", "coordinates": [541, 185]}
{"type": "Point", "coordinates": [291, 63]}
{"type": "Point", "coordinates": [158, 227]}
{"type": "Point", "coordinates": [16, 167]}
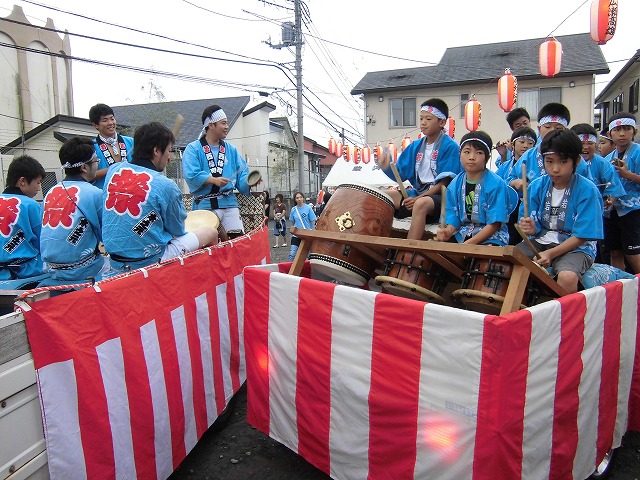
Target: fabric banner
{"type": "Point", "coordinates": [368, 385]}
{"type": "Point", "coordinates": [133, 372]}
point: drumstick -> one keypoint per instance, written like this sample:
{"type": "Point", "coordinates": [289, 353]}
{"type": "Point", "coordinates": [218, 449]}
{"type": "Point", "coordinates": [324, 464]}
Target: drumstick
{"type": "Point", "coordinates": [524, 236]}
{"type": "Point", "coordinates": [443, 206]}
{"type": "Point", "coordinates": [525, 197]}
{"type": "Point", "coordinates": [396, 175]}
{"type": "Point", "coordinates": [178, 125]}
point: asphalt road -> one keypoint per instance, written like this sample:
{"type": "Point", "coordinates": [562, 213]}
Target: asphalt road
{"type": "Point", "coordinates": [238, 451]}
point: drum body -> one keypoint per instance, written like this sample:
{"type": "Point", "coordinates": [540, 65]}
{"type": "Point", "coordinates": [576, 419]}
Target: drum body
{"type": "Point", "coordinates": [412, 275]}
{"type": "Point", "coordinates": [355, 209]}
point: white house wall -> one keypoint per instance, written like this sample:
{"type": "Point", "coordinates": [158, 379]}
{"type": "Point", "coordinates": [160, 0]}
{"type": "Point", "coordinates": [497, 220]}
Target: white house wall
{"type": "Point", "coordinates": [9, 100]}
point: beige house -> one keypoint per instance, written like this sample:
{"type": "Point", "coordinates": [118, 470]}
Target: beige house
{"type": "Point", "coordinates": [393, 97]}
{"type": "Point", "coordinates": [621, 93]}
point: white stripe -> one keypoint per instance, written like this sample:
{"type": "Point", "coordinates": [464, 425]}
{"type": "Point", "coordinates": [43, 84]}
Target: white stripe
{"type": "Point", "coordinates": [540, 393]}
{"type": "Point", "coordinates": [115, 388]}
{"type": "Point", "coordinates": [225, 335]}
{"type": "Point", "coordinates": [204, 332]}
{"type": "Point", "coordinates": [449, 388]}
{"type": "Point", "coordinates": [589, 389]}
{"type": "Point", "coordinates": [179, 323]}
{"type": "Point", "coordinates": [59, 394]}
{"type": "Point", "coordinates": [282, 337]}
{"type": "Point", "coordinates": [627, 355]}
{"type": "Point", "coordinates": [351, 343]}
{"type": "Point", "coordinates": [159, 401]}
{"type": "Point", "coordinates": [239, 292]}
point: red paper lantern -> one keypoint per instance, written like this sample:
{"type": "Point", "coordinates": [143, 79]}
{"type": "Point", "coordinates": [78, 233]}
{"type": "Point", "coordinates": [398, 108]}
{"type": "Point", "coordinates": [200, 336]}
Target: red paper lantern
{"type": "Point", "coordinates": [356, 155]}
{"type": "Point", "coordinates": [450, 127]}
{"type": "Point", "coordinates": [550, 57]}
{"type": "Point", "coordinates": [472, 114]}
{"type": "Point", "coordinates": [377, 152]}
{"type": "Point", "coordinates": [393, 151]}
{"type": "Point", "coordinates": [320, 196]}
{"type": "Point", "coordinates": [406, 141]}
{"type": "Point", "coordinates": [348, 153]}
{"type": "Point", "coordinates": [507, 91]}
{"type": "Point", "coordinates": [604, 14]}
{"type": "Point", "coordinates": [366, 154]}
{"type": "Point", "coordinates": [339, 149]}
{"type": "Point", "coordinates": [332, 146]}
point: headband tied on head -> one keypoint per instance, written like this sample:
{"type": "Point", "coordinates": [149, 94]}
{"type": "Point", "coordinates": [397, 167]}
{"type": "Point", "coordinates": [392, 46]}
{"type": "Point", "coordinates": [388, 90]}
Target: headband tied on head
{"type": "Point", "coordinates": [622, 121]}
{"type": "Point", "coordinates": [553, 118]}
{"type": "Point", "coordinates": [476, 140]}
{"type": "Point", "coordinates": [213, 118]}
{"type": "Point", "coordinates": [588, 138]}
{"type": "Point", "coordinates": [79, 164]}
{"type": "Point", "coordinates": [433, 110]}
{"type": "Point", "coordinates": [525, 137]}
{"type": "Point", "coordinates": [608, 138]}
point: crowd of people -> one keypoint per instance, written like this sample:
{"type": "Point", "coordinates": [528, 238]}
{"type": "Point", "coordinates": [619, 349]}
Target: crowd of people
{"type": "Point", "coordinates": [113, 199]}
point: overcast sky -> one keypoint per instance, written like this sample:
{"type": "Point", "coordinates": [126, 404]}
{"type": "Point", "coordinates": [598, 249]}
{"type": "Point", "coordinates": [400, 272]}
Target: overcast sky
{"type": "Point", "coordinates": [339, 36]}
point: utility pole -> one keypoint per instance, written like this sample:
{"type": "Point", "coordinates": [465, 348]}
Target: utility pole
{"type": "Point", "coordinates": [298, 42]}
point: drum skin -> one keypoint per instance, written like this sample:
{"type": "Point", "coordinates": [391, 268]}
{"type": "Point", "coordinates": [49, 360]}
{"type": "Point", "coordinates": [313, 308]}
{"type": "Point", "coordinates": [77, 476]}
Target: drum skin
{"type": "Point", "coordinates": [355, 209]}
{"type": "Point", "coordinates": [201, 218]}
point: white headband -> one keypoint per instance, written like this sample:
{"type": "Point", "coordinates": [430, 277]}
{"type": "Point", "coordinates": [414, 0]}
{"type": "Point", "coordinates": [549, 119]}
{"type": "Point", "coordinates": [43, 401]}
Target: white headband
{"type": "Point", "coordinates": [622, 121]}
{"type": "Point", "coordinates": [434, 110]}
{"type": "Point", "coordinates": [608, 138]}
{"type": "Point", "coordinates": [78, 164]}
{"type": "Point", "coordinates": [553, 118]}
{"type": "Point", "coordinates": [476, 140]}
{"type": "Point", "coordinates": [525, 137]}
{"type": "Point", "coordinates": [213, 118]}
{"type": "Point", "coordinates": [588, 138]}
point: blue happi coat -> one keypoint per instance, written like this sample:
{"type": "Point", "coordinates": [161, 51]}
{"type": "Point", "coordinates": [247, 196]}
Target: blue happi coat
{"type": "Point", "coordinates": [631, 200]}
{"type": "Point", "coordinates": [102, 161]}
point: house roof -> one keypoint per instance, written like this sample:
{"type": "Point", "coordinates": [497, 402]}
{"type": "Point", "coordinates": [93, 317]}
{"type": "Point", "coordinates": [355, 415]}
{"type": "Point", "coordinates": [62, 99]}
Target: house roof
{"type": "Point", "coordinates": [480, 63]}
{"type": "Point", "coordinates": [41, 128]}
{"type": "Point", "coordinates": [635, 58]}
{"type": "Point", "coordinates": [191, 110]}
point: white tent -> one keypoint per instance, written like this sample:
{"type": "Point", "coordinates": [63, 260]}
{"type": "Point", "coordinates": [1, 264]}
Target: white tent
{"type": "Point", "coordinates": [363, 173]}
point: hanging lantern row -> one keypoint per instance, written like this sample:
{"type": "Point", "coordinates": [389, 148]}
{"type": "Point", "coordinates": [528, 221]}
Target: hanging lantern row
{"type": "Point", "coordinates": [507, 91]}
{"type": "Point", "coordinates": [604, 14]}
{"type": "Point", "coordinates": [550, 57]}
{"type": "Point", "coordinates": [472, 114]}
{"type": "Point", "coordinates": [406, 141]}
{"type": "Point", "coordinates": [450, 127]}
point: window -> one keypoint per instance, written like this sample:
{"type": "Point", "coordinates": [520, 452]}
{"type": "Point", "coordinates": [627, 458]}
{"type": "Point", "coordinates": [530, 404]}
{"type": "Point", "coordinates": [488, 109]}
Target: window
{"type": "Point", "coordinates": [464, 98]}
{"type": "Point", "coordinates": [633, 96]}
{"type": "Point", "coordinates": [535, 98]}
{"type": "Point", "coordinates": [604, 114]}
{"type": "Point", "coordinates": [618, 103]}
{"type": "Point", "coordinates": [402, 112]}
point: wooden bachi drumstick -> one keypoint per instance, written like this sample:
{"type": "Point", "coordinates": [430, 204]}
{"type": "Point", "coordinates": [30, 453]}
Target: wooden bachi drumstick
{"type": "Point", "coordinates": [525, 196]}
{"type": "Point", "coordinates": [524, 236]}
{"type": "Point", "coordinates": [396, 175]}
{"type": "Point", "coordinates": [178, 125]}
{"type": "Point", "coordinates": [443, 206]}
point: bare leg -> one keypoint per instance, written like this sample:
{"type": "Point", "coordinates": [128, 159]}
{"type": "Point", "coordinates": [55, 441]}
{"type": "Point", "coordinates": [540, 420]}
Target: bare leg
{"type": "Point", "coordinates": [206, 236]}
{"type": "Point", "coordinates": [634, 260]}
{"type": "Point", "coordinates": [568, 280]}
{"type": "Point", "coordinates": [396, 196]}
{"type": "Point", "coordinates": [617, 259]}
{"type": "Point", "coordinates": [422, 207]}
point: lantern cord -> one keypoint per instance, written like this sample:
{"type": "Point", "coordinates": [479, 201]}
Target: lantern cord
{"type": "Point", "coordinates": [568, 17]}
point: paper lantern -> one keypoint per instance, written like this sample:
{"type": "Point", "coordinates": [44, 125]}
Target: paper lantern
{"type": "Point", "coordinates": [348, 153]}
{"type": "Point", "coordinates": [507, 91]}
{"type": "Point", "coordinates": [320, 196]}
{"type": "Point", "coordinates": [472, 114]}
{"type": "Point", "coordinates": [604, 14]}
{"type": "Point", "coordinates": [332, 146]}
{"type": "Point", "coordinates": [450, 127]}
{"type": "Point", "coordinates": [393, 151]}
{"type": "Point", "coordinates": [356, 155]}
{"type": "Point", "coordinates": [366, 154]}
{"type": "Point", "coordinates": [377, 152]}
{"type": "Point", "coordinates": [406, 141]}
{"type": "Point", "coordinates": [550, 57]}
{"type": "Point", "coordinates": [339, 149]}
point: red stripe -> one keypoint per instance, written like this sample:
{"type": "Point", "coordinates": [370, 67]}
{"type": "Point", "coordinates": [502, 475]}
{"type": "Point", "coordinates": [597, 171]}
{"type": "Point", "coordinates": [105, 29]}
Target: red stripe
{"type": "Point", "coordinates": [171, 370]}
{"type": "Point", "coordinates": [634, 394]}
{"type": "Point", "coordinates": [608, 402]}
{"type": "Point", "coordinates": [256, 340]}
{"type": "Point", "coordinates": [564, 442]}
{"type": "Point", "coordinates": [197, 371]}
{"type": "Point", "coordinates": [93, 417]}
{"type": "Point", "coordinates": [313, 382]}
{"type": "Point", "coordinates": [395, 386]}
{"type": "Point", "coordinates": [500, 423]}
{"type": "Point", "coordinates": [140, 405]}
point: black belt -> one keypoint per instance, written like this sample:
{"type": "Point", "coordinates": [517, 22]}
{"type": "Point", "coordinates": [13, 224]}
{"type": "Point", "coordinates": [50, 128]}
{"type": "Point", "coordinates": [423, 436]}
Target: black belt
{"type": "Point", "coordinates": [120, 259]}
{"type": "Point", "coordinates": [71, 266]}
{"type": "Point", "coordinates": [211, 195]}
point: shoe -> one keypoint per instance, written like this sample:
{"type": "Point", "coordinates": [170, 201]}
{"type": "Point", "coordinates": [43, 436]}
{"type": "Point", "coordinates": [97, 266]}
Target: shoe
{"type": "Point", "coordinates": [284, 244]}
{"type": "Point", "coordinates": [275, 246]}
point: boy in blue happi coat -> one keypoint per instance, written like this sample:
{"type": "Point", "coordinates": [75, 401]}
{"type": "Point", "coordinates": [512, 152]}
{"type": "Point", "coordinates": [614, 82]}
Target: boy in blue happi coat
{"type": "Point", "coordinates": [213, 168]}
{"type": "Point", "coordinates": [428, 163]}
{"type": "Point", "coordinates": [566, 212]}
{"type": "Point", "coordinates": [110, 146]}
{"type": "Point", "coordinates": [478, 200]}
{"type": "Point", "coordinates": [516, 118]}
{"type": "Point", "coordinates": [20, 218]}
{"type": "Point", "coordinates": [72, 219]}
{"type": "Point", "coordinates": [143, 216]}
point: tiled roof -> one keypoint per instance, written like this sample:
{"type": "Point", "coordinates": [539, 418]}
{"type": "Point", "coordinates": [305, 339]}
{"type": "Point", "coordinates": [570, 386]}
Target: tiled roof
{"type": "Point", "coordinates": [480, 63]}
{"type": "Point", "coordinates": [166, 112]}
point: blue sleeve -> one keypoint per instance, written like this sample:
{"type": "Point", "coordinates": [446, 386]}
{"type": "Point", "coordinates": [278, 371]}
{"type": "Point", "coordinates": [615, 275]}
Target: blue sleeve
{"type": "Point", "coordinates": [242, 174]}
{"type": "Point", "coordinates": [496, 202]}
{"type": "Point", "coordinates": [174, 211]}
{"type": "Point", "coordinates": [448, 160]}
{"type": "Point", "coordinates": [406, 163]}
{"type": "Point", "coordinates": [35, 220]}
{"type": "Point", "coordinates": [194, 166]}
{"type": "Point", "coordinates": [588, 217]}
{"type": "Point", "coordinates": [452, 208]}
{"type": "Point", "coordinates": [516, 171]}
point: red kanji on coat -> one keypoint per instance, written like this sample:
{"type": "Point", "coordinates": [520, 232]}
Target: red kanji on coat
{"type": "Point", "coordinates": [9, 210]}
{"type": "Point", "coordinates": [127, 190]}
{"type": "Point", "coordinates": [59, 205]}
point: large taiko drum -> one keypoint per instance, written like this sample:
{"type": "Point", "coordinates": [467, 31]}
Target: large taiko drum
{"type": "Point", "coordinates": [356, 209]}
{"type": "Point", "coordinates": [204, 218]}
{"type": "Point", "coordinates": [412, 275]}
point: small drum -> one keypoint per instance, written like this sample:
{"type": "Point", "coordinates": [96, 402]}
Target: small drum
{"type": "Point", "coordinates": [205, 218]}
{"type": "Point", "coordinates": [356, 209]}
{"type": "Point", "coordinates": [412, 275]}
{"type": "Point", "coordinates": [253, 178]}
